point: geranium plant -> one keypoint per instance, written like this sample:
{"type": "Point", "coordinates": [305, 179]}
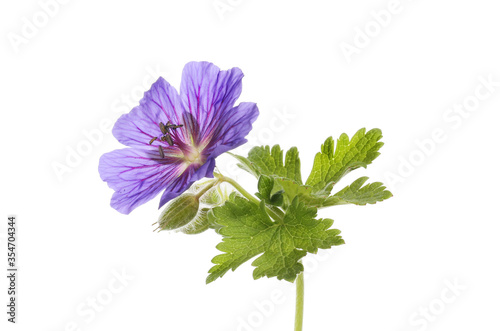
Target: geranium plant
{"type": "Point", "coordinates": [173, 139]}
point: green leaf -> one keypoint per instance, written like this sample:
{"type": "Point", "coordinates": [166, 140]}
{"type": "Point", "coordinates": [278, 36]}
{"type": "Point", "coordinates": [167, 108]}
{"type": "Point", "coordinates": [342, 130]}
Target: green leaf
{"type": "Point", "coordinates": [352, 194]}
{"type": "Point", "coordinates": [331, 164]}
{"type": "Point", "coordinates": [358, 194]}
{"type": "Point", "coordinates": [283, 181]}
{"type": "Point", "coordinates": [245, 164]}
{"type": "Point", "coordinates": [248, 231]}
{"type": "Point", "coordinates": [265, 186]}
{"type": "Point", "coordinates": [292, 189]}
{"type": "Point", "coordinates": [269, 161]}
{"type": "Point", "coordinates": [277, 198]}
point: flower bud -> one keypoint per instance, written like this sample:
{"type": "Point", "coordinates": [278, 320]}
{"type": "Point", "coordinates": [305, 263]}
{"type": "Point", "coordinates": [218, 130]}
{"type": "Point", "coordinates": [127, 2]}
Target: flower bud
{"type": "Point", "coordinates": [199, 225]}
{"type": "Point", "coordinates": [179, 212]}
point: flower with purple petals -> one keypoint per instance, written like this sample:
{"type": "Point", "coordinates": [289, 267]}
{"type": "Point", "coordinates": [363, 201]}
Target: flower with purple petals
{"type": "Point", "coordinates": [173, 138]}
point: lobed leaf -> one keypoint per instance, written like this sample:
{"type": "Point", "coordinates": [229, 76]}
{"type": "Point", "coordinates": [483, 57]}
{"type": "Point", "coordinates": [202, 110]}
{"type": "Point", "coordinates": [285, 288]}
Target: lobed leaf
{"type": "Point", "coordinates": [248, 231]}
{"type": "Point", "coordinates": [269, 161]}
{"type": "Point", "coordinates": [331, 164]}
{"type": "Point", "coordinates": [358, 194]}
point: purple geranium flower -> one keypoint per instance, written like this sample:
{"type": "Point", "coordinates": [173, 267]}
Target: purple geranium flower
{"type": "Point", "coordinates": [174, 138]}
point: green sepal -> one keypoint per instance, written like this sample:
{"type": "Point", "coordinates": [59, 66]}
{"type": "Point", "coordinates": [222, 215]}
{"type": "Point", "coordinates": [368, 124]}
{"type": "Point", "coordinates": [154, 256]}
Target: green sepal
{"type": "Point", "coordinates": [200, 223]}
{"type": "Point", "coordinates": [179, 212]}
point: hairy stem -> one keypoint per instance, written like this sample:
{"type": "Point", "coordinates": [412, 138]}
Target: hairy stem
{"type": "Point", "coordinates": [206, 188]}
{"type": "Point", "coordinates": [299, 303]}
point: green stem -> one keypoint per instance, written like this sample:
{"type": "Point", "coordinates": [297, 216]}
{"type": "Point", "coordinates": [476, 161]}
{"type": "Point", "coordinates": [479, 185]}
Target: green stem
{"type": "Point", "coordinates": [299, 303]}
{"type": "Point", "coordinates": [272, 212]}
{"type": "Point", "coordinates": [240, 189]}
{"type": "Point", "coordinates": [278, 211]}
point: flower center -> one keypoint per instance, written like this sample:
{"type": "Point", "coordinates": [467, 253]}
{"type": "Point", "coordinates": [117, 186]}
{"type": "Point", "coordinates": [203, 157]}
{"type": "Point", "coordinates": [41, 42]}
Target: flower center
{"type": "Point", "coordinates": [193, 155]}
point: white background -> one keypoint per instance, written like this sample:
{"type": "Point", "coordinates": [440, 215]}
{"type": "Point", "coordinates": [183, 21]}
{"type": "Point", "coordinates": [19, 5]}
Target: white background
{"type": "Point", "coordinates": [82, 64]}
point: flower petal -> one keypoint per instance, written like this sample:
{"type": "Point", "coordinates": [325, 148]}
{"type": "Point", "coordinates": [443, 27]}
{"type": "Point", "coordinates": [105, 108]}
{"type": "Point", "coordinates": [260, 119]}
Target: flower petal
{"type": "Point", "coordinates": [187, 179]}
{"type": "Point", "coordinates": [137, 176]}
{"type": "Point", "coordinates": [207, 92]}
{"type": "Point", "coordinates": [231, 132]}
{"type": "Point", "coordinates": [160, 104]}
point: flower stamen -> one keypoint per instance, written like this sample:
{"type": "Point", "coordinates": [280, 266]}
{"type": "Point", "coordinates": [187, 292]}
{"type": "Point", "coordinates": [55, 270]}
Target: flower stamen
{"type": "Point", "coordinates": [168, 139]}
{"type": "Point", "coordinates": [165, 130]}
{"type": "Point", "coordinates": [173, 126]}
